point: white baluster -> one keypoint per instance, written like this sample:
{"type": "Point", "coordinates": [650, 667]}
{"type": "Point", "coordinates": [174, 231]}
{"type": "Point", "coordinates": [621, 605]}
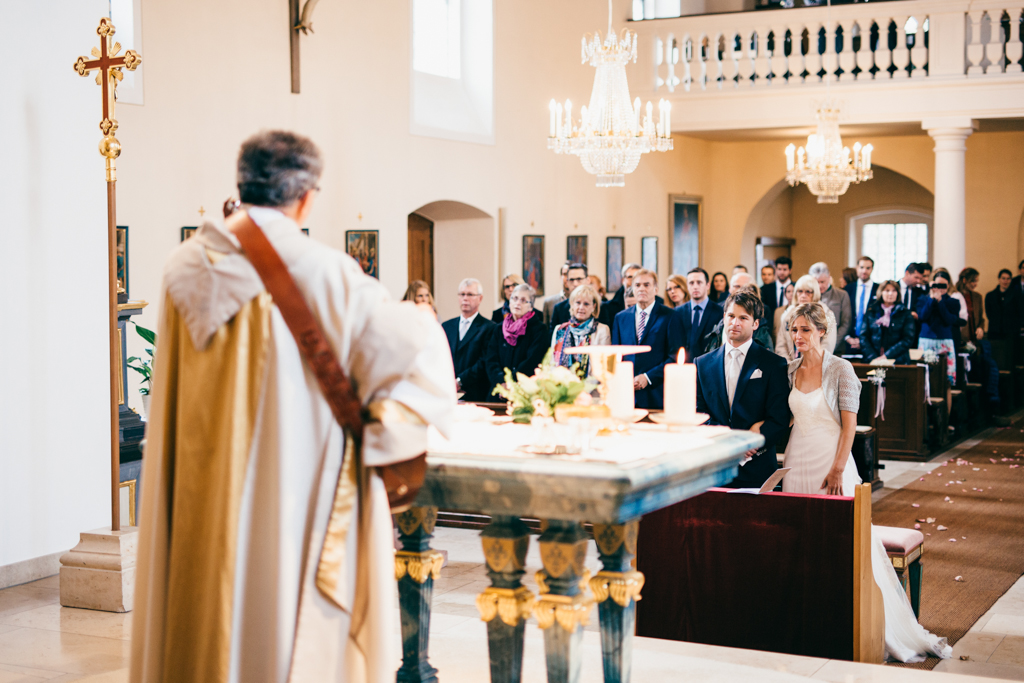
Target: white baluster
{"type": "Point", "coordinates": [735, 74]}
{"type": "Point", "coordinates": [994, 49]}
{"type": "Point", "coordinates": [1015, 45]}
{"type": "Point", "coordinates": [715, 70]}
{"type": "Point", "coordinates": [672, 49]}
{"type": "Point", "coordinates": [687, 75]}
{"type": "Point", "coordinates": [659, 59]}
{"type": "Point", "coordinates": [919, 53]}
{"type": "Point", "coordinates": [818, 62]}
{"type": "Point", "coordinates": [795, 61]}
{"type": "Point", "coordinates": [870, 59]}
{"type": "Point", "coordinates": [900, 54]}
{"type": "Point", "coordinates": [975, 48]}
{"type": "Point", "coordinates": [699, 65]}
{"type": "Point", "coordinates": [847, 58]}
{"type": "Point", "coordinates": [759, 57]}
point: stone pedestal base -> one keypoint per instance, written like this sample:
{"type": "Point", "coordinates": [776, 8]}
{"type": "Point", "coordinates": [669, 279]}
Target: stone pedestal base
{"type": "Point", "coordinates": [99, 572]}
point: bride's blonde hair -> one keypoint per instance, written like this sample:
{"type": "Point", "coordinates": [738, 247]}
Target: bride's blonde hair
{"type": "Point", "coordinates": [814, 313]}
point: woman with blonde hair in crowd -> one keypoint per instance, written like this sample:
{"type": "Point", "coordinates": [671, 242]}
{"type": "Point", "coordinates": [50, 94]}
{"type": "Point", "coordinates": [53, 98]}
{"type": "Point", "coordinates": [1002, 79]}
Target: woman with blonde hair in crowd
{"type": "Point", "coordinates": [508, 283]}
{"type": "Point", "coordinates": [806, 291]}
{"type": "Point", "coordinates": [676, 293]}
{"type": "Point", "coordinates": [583, 329]}
{"type": "Point", "coordinates": [418, 292]}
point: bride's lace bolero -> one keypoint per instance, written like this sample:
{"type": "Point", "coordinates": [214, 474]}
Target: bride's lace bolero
{"type": "Point", "coordinates": [839, 383]}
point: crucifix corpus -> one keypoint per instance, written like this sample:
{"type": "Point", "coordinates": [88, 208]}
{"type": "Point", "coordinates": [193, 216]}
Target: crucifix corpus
{"type": "Point", "coordinates": [108, 67]}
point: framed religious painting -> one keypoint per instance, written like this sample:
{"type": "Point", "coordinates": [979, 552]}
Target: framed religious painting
{"type": "Point", "coordinates": [122, 258]}
{"type": "Point", "coordinates": [576, 249]}
{"type": "Point", "coordinates": [649, 253]}
{"type": "Point", "coordinates": [362, 245]}
{"type": "Point", "coordinates": [187, 231]}
{"type": "Point", "coordinates": [533, 262]}
{"type": "Point", "coordinates": [684, 219]}
{"type": "Point", "coordinates": [614, 257]}
{"type": "Point", "coordinates": [305, 231]}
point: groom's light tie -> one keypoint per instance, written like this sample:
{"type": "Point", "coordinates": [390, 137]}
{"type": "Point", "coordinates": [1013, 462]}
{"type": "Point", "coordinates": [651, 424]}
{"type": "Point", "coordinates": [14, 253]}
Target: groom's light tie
{"type": "Point", "coordinates": [732, 374]}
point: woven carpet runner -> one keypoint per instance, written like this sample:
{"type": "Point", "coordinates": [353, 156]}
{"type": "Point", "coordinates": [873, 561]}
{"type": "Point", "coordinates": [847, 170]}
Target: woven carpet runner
{"type": "Point", "coordinates": [971, 511]}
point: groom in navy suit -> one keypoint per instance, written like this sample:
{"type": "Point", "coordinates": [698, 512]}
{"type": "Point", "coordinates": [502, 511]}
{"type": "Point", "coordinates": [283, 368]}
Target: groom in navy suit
{"type": "Point", "coordinates": [745, 386]}
{"type": "Point", "coordinates": [647, 323]}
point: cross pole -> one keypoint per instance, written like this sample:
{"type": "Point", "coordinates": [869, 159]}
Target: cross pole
{"type": "Point", "coordinates": [108, 67]}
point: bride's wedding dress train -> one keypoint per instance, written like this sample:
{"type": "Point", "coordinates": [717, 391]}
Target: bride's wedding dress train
{"type": "Point", "coordinates": [811, 450]}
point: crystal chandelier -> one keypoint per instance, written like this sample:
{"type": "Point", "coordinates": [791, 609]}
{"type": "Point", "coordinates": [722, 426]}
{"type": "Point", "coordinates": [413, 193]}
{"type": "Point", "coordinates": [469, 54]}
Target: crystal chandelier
{"type": "Point", "coordinates": [610, 136]}
{"type": "Point", "coordinates": [825, 166]}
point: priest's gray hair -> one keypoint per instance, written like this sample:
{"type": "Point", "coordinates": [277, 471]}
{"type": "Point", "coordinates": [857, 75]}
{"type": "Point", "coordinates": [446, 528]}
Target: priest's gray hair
{"type": "Point", "coordinates": [818, 269]}
{"type": "Point", "coordinates": [628, 267]}
{"type": "Point", "coordinates": [525, 289]}
{"type": "Point", "coordinates": [277, 167]}
{"type": "Point", "coordinates": [474, 282]}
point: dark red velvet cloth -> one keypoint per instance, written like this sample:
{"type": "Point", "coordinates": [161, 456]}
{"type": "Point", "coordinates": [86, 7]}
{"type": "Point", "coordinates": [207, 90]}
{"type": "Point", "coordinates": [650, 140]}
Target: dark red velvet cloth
{"type": "Point", "coordinates": [771, 572]}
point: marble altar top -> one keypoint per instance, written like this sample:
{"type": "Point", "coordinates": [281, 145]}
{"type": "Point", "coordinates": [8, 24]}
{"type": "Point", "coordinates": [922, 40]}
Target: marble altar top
{"type": "Point", "coordinates": [481, 469]}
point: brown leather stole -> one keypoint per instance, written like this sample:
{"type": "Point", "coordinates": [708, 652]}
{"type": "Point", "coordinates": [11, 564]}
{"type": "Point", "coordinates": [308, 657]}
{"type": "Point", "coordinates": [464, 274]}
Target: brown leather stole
{"type": "Point", "coordinates": [402, 480]}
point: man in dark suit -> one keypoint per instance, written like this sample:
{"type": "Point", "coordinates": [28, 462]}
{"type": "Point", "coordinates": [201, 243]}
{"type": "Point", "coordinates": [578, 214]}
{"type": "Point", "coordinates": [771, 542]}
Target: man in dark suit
{"type": "Point", "coordinates": [772, 293]}
{"type": "Point", "coordinates": [468, 336]}
{"type": "Point", "coordinates": [862, 292]}
{"type": "Point", "coordinates": [574, 277]}
{"type": "Point", "coordinates": [744, 386]}
{"type": "Point", "coordinates": [910, 292]}
{"type": "Point", "coordinates": [693, 320]}
{"type": "Point", "coordinates": [647, 323]}
{"type": "Point", "coordinates": [617, 304]}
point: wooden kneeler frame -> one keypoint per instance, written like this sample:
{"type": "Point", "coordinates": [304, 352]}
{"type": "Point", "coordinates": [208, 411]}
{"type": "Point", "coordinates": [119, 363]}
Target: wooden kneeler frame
{"type": "Point", "coordinates": [868, 611]}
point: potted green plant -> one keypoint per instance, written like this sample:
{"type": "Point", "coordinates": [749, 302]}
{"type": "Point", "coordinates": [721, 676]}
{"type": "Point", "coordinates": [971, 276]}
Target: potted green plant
{"type": "Point", "coordinates": [144, 366]}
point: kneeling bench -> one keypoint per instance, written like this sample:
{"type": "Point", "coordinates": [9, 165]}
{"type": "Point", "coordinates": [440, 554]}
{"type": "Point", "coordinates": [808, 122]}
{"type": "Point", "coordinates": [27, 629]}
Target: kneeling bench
{"type": "Point", "coordinates": [904, 546]}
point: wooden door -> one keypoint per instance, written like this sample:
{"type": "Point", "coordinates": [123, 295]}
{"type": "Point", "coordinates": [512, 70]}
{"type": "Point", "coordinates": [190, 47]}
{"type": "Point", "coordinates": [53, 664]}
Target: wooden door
{"type": "Point", "coordinates": [421, 249]}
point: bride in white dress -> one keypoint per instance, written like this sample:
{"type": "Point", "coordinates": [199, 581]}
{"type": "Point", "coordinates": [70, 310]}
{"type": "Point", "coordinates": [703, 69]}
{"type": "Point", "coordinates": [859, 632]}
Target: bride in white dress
{"type": "Point", "coordinates": [824, 399]}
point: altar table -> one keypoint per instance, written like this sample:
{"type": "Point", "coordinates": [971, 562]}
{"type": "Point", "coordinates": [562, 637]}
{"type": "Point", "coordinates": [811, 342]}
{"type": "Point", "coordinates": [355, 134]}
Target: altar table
{"type": "Point", "coordinates": [483, 469]}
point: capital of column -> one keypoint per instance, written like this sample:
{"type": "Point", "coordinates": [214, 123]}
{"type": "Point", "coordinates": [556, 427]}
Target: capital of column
{"type": "Point", "coordinates": [950, 133]}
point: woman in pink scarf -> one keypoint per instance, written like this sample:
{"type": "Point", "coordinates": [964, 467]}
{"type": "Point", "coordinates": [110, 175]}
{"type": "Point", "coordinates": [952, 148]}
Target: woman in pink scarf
{"type": "Point", "coordinates": [521, 342]}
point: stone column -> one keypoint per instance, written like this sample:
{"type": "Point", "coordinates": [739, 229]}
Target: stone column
{"type": "Point", "coordinates": [563, 607]}
{"type": "Point", "coordinates": [616, 589]}
{"type": "Point", "coordinates": [950, 232]}
{"type": "Point", "coordinates": [506, 604]}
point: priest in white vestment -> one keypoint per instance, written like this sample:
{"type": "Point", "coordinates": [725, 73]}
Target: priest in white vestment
{"type": "Point", "coordinates": [262, 558]}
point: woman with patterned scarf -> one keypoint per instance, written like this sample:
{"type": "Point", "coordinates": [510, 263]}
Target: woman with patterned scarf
{"type": "Point", "coordinates": [581, 330]}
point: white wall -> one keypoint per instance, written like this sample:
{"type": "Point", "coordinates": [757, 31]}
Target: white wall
{"type": "Point", "coordinates": [54, 443]}
{"type": "Point", "coordinates": [463, 248]}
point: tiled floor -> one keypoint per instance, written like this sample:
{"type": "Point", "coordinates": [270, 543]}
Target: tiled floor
{"type": "Point", "coordinates": [42, 641]}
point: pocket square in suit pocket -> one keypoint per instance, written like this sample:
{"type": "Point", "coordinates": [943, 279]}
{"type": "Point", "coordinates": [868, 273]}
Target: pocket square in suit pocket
{"type": "Point", "coordinates": [756, 374]}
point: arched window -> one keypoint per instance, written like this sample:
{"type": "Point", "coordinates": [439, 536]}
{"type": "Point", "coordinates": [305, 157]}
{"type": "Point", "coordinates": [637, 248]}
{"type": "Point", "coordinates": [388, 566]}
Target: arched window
{"type": "Point", "coordinates": [893, 238]}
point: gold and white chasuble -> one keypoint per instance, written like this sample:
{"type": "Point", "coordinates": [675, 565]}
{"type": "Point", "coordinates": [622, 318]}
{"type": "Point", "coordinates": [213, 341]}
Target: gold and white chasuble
{"type": "Point", "coordinates": [245, 504]}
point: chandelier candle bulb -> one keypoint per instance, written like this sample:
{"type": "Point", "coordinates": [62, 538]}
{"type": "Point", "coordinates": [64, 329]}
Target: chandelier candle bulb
{"type": "Point", "coordinates": [790, 157]}
{"type": "Point", "coordinates": [680, 390]}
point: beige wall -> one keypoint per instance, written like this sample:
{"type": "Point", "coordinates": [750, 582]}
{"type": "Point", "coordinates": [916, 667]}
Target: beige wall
{"type": "Point", "coordinates": [463, 248]}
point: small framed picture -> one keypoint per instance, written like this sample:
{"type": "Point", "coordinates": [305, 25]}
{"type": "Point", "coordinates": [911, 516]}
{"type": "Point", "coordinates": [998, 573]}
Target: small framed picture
{"type": "Point", "coordinates": [305, 231]}
{"type": "Point", "coordinates": [576, 249]}
{"type": "Point", "coordinates": [188, 231]}
{"type": "Point", "coordinates": [649, 253]}
{"type": "Point", "coordinates": [684, 216]}
{"type": "Point", "coordinates": [533, 262]}
{"type": "Point", "coordinates": [362, 245]}
{"type": "Point", "coordinates": [615, 252]}
{"type": "Point", "coordinates": [122, 258]}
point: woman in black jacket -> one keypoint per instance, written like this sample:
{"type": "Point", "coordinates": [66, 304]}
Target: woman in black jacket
{"type": "Point", "coordinates": [889, 327]}
{"type": "Point", "coordinates": [521, 341]}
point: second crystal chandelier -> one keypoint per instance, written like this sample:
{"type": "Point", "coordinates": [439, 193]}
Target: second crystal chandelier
{"type": "Point", "coordinates": [825, 166]}
{"type": "Point", "coordinates": [611, 133]}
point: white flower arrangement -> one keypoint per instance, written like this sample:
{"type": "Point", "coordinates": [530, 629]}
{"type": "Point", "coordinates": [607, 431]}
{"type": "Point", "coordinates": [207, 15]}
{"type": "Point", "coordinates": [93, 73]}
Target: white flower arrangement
{"type": "Point", "coordinates": [551, 386]}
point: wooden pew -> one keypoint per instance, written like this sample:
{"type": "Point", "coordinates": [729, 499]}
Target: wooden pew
{"type": "Point", "coordinates": [938, 410]}
{"type": "Point", "coordinates": [901, 434]}
{"type": "Point", "coordinates": [777, 572]}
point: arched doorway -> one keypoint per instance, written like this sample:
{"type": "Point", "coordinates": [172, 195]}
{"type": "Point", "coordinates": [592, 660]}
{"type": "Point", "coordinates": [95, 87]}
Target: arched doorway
{"type": "Point", "coordinates": [450, 241]}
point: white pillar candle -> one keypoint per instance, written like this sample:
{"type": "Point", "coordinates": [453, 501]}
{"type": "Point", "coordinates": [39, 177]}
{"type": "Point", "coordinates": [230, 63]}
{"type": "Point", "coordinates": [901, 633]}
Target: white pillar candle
{"type": "Point", "coordinates": [680, 390]}
{"type": "Point", "coordinates": [620, 393]}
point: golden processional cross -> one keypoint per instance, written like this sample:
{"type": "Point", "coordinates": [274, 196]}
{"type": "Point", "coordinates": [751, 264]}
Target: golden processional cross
{"type": "Point", "coordinates": [108, 67]}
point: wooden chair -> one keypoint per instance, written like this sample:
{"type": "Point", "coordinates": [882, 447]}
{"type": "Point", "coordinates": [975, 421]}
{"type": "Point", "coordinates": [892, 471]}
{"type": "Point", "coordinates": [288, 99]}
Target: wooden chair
{"type": "Point", "coordinates": [904, 548]}
{"type": "Point", "coordinates": [777, 572]}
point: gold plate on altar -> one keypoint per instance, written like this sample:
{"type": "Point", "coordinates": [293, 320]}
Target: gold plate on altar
{"type": "Point", "coordinates": [662, 419]}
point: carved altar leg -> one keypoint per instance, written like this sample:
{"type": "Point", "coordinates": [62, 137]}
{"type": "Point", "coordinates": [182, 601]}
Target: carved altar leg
{"type": "Point", "coordinates": [416, 567]}
{"type": "Point", "coordinates": [616, 545]}
{"type": "Point", "coordinates": [506, 604]}
{"type": "Point", "coordinates": [563, 608]}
